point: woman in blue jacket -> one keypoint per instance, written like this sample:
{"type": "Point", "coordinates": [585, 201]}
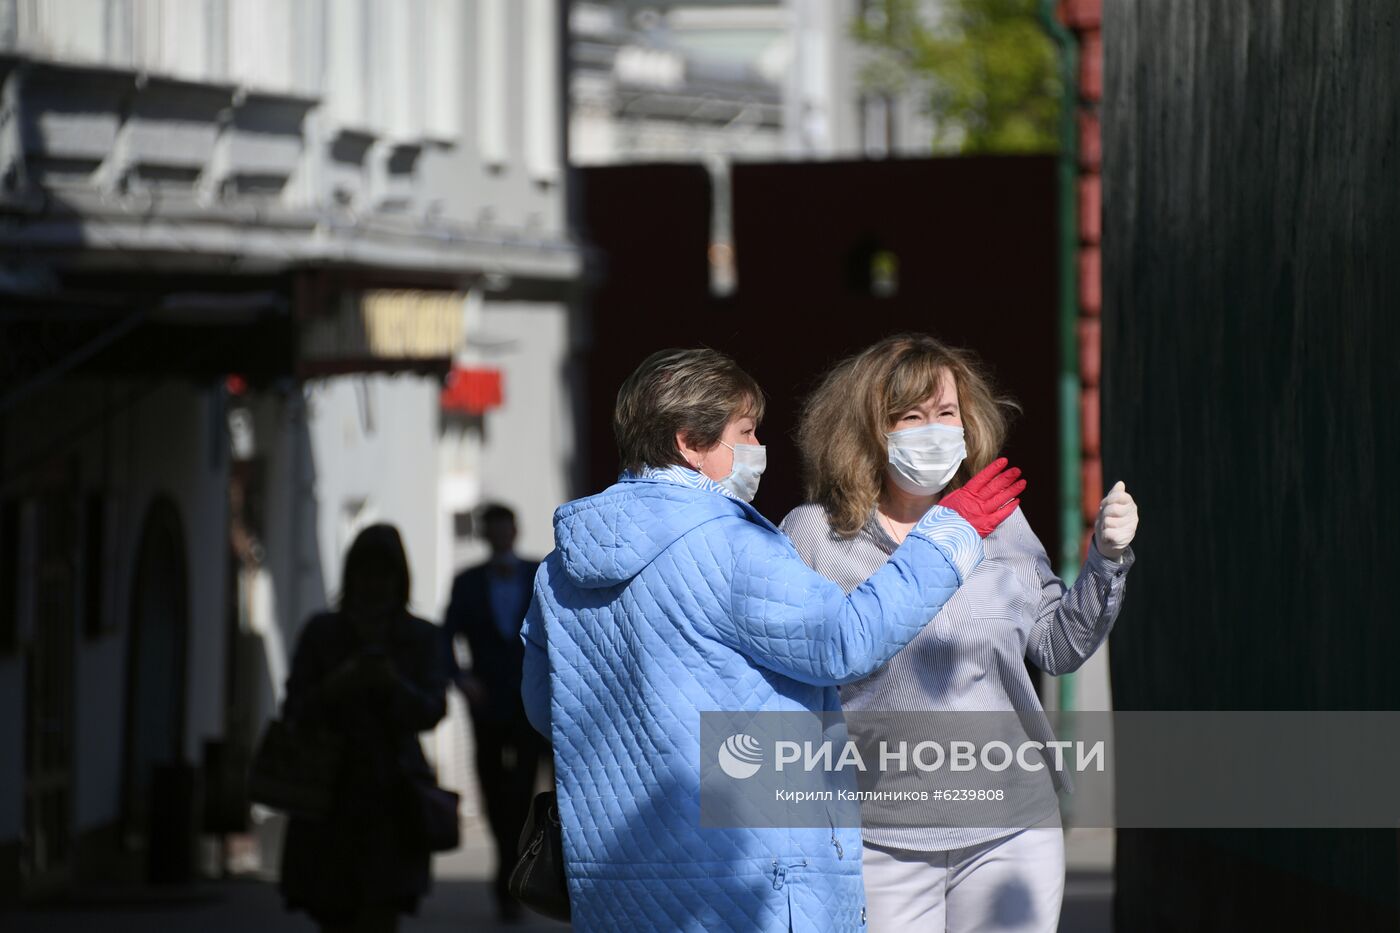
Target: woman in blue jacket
{"type": "Point", "coordinates": [667, 594]}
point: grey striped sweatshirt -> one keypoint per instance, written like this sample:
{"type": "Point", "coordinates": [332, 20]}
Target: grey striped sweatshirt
{"type": "Point", "coordinates": [1012, 607]}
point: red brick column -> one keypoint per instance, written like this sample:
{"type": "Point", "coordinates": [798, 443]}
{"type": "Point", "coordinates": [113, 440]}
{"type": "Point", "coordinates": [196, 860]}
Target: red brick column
{"type": "Point", "coordinates": [1084, 18]}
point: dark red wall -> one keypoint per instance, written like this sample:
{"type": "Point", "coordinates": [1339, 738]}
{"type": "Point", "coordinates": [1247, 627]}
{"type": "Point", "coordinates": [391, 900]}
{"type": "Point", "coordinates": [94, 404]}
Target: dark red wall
{"type": "Point", "coordinates": [976, 248]}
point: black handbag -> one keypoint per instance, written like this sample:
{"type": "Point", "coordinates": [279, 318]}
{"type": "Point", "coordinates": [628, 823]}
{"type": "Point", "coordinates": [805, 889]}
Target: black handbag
{"type": "Point", "coordinates": [296, 770]}
{"type": "Point", "coordinates": [433, 811]}
{"type": "Point", "coordinates": [538, 878]}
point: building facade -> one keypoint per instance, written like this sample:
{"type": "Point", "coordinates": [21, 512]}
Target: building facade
{"type": "Point", "coordinates": [272, 270]}
{"type": "Point", "coordinates": [669, 80]}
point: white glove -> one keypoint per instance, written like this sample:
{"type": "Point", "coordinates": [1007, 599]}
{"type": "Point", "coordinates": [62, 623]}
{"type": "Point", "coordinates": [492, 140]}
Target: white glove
{"type": "Point", "coordinates": [1117, 522]}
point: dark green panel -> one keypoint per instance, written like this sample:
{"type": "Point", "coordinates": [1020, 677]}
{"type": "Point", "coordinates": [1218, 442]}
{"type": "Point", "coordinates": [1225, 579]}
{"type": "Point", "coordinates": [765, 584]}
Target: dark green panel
{"type": "Point", "coordinates": [1252, 403]}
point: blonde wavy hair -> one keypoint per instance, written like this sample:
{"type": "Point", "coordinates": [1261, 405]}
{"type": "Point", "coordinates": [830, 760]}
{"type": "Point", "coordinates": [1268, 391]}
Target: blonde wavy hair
{"type": "Point", "coordinates": [841, 433]}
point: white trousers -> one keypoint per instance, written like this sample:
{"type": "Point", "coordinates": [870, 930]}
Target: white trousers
{"type": "Point", "coordinates": [1009, 885]}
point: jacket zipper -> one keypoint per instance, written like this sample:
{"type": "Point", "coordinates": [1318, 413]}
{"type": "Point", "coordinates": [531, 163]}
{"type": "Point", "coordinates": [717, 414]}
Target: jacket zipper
{"type": "Point", "coordinates": [780, 872]}
{"type": "Point", "coordinates": [831, 825]}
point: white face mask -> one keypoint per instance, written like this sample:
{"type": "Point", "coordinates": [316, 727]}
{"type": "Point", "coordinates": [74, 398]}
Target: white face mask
{"type": "Point", "coordinates": [750, 460]}
{"type": "Point", "coordinates": [924, 459]}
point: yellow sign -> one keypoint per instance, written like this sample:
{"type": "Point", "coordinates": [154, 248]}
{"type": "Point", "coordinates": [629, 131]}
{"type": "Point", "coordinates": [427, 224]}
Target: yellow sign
{"type": "Point", "coordinates": [388, 324]}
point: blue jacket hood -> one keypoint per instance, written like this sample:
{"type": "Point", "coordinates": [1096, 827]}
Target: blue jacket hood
{"type": "Point", "coordinates": [609, 538]}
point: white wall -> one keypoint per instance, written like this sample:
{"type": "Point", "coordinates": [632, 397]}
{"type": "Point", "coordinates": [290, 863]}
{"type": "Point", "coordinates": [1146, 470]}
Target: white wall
{"type": "Point", "coordinates": [449, 145]}
{"type": "Point", "coordinates": [159, 440]}
{"type": "Point", "coordinates": [824, 108]}
{"type": "Point", "coordinates": [520, 454]}
{"type": "Point", "coordinates": [528, 447]}
{"type": "Point", "coordinates": [342, 453]}
{"type": "Point", "coordinates": [171, 448]}
{"type": "Point", "coordinates": [374, 459]}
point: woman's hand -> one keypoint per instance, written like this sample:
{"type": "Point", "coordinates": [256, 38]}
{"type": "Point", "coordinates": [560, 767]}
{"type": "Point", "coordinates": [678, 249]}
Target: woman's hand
{"type": "Point", "coordinates": [1117, 522]}
{"type": "Point", "coordinates": [988, 498]}
{"type": "Point", "coordinates": [378, 670]}
{"type": "Point", "coordinates": [473, 689]}
{"type": "Point", "coordinates": [360, 674]}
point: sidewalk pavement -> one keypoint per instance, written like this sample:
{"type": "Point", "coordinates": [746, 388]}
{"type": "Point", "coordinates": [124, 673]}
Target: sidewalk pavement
{"type": "Point", "coordinates": [1088, 904]}
{"type": "Point", "coordinates": [461, 901]}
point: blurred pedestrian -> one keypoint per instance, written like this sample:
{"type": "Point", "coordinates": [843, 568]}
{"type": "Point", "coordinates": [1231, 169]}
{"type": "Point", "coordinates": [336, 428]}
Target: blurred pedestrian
{"type": "Point", "coordinates": [487, 607]}
{"type": "Point", "coordinates": [889, 435]}
{"type": "Point", "coordinates": [374, 675]}
{"type": "Point", "coordinates": [668, 594]}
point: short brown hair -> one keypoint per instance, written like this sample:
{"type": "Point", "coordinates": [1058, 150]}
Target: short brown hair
{"type": "Point", "coordinates": [691, 392]}
{"type": "Point", "coordinates": [843, 425]}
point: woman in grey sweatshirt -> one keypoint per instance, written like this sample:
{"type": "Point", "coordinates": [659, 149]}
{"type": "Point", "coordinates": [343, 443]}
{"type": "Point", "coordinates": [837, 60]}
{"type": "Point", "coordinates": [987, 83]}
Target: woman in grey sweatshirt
{"type": "Point", "coordinates": [888, 433]}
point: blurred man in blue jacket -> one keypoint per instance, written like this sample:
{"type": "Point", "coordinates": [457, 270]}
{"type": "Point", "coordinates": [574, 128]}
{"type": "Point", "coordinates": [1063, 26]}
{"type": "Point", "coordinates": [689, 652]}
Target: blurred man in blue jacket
{"type": "Point", "coordinates": [488, 605]}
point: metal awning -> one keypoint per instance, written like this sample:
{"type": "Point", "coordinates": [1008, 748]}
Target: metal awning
{"type": "Point", "coordinates": [47, 336]}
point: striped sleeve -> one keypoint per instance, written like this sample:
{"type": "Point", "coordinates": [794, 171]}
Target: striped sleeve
{"type": "Point", "coordinates": [1072, 623]}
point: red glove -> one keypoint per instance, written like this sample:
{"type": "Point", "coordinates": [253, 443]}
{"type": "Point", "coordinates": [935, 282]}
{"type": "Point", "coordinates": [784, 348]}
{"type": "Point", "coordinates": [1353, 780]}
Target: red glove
{"type": "Point", "coordinates": [988, 498]}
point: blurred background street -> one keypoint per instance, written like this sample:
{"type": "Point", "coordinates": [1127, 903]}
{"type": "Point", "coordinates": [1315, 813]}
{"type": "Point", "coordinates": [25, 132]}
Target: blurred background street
{"type": "Point", "coordinates": [461, 900]}
{"type": "Point", "coordinates": [274, 272]}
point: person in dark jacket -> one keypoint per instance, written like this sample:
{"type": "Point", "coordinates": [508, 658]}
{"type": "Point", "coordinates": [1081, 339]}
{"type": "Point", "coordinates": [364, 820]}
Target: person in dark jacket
{"type": "Point", "coordinates": [488, 605]}
{"type": "Point", "coordinates": [374, 675]}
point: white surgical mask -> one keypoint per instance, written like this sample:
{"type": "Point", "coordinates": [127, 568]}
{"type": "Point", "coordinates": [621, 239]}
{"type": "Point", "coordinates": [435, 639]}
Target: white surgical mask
{"type": "Point", "coordinates": [750, 460]}
{"type": "Point", "coordinates": [924, 459]}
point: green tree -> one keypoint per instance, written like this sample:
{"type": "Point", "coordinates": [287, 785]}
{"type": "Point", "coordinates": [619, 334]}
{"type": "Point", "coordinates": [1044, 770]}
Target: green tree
{"type": "Point", "coordinates": [986, 69]}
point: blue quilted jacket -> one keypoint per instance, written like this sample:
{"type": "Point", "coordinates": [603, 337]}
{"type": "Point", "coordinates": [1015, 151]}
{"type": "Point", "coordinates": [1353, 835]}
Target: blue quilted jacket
{"type": "Point", "coordinates": [665, 597]}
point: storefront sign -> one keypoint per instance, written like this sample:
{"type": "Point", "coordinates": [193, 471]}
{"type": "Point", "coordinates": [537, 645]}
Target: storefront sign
{"type": "Point", "coordinates": [386, 325]}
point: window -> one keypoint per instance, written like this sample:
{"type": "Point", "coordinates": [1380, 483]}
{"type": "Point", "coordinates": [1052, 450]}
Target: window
{"type": "Point", "coordinates": [68, 30]}
{"type": "Point", "coordinates": [396, 61]}
{"type": "Point", "coordinates": [873, 269]}
{"type": "Point", "coordinates": [493, 82]}
{"type": "Point", "coordinates": [347, 78]}
{"type": "Point", "coordinates": [445, 42]}
{"type": "Point", "coordinates": [541, 91]}
{"type": "Point", "coordinates": [171, 38]}
{"type": "Point", "coordinates": [260, 38]}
